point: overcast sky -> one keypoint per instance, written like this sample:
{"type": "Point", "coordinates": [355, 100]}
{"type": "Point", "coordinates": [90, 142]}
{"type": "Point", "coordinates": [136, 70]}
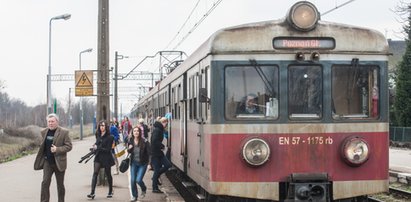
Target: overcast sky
{"type": "Point", "coordinates": [138, 28]}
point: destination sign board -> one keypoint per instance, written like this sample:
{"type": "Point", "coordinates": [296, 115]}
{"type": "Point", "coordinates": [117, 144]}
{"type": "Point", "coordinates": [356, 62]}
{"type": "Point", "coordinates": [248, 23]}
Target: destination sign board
{"type": "Point", "coordinates": [303, 43]}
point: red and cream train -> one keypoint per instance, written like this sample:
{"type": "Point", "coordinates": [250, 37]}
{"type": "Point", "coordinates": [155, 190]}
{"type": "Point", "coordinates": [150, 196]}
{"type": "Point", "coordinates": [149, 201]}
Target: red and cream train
{"type": "Point", "coordinates": [320, 132]}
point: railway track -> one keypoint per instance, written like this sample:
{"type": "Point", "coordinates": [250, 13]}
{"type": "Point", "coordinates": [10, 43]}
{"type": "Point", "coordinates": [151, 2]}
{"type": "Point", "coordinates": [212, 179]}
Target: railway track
{"type": "Point", "coordinates": [395, 194]}
{"type": "Point", "coordinates": [191, 194]}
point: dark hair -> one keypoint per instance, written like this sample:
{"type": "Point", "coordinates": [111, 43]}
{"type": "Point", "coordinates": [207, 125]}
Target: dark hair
{"type": "Point", "coordinates": [139, 131]}
{"type": "Point", "coordinates": [106, 126]}
{"type": "Point", "coordinates": [140, 140]}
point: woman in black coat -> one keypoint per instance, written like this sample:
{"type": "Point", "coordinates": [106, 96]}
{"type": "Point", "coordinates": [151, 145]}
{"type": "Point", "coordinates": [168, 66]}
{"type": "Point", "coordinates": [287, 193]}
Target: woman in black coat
{"type": "Point", "coordinates": [103, 158]}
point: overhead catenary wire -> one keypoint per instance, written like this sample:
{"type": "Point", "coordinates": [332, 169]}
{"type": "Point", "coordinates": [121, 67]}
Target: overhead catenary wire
{"type": "Point", "coordinates": [198, 23]}
{"type": "Point", "coordinates": [337, 7]}
{"type": "Point", "coordinates": [182, 26]}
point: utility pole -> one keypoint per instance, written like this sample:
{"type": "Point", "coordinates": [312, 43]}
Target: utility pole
{"type": "Point", "coordinates": [103, 82]}
{"type": "Point", "coordinates": [103, 87]}
{"type": "Point", "coordinates": [116, 87]}
{"type": "Point", "coordinates": [116, 59]}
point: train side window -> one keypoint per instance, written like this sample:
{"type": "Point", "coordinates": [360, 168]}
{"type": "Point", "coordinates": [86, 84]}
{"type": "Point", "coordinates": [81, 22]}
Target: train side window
{"type": "Point", "coordinates": [355, 92]}
{"type": "Point", "coordinates": [259, 83]}
{"type": "Point", "coordinates": [305, 92]}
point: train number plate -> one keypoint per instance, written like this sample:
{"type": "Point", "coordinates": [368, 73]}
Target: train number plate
{"type": "Point", "coordinates": [313, 140]}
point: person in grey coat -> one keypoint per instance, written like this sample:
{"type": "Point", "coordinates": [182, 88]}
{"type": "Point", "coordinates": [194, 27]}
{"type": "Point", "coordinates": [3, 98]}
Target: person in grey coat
{"type": "Point", "coordinates": [52, 157]}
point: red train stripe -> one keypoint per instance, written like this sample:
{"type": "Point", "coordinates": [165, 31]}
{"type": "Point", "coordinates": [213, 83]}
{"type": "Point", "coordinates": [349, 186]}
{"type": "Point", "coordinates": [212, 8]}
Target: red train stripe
{"type": "Point", "coordinates": [296, 153]}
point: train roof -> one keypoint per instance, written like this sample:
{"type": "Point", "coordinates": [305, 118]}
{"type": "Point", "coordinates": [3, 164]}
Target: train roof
{"type": "Point", "coordinates": [259, 36]}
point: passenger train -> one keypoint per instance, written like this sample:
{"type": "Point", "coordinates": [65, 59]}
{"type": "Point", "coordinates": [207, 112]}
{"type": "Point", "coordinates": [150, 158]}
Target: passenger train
{"type": "Point", "coordinates": [294, 109]}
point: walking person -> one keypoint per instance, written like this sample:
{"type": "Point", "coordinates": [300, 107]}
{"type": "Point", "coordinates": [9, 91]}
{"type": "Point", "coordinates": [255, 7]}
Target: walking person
{"type": "Point", "coordinates": [114, 132]}
{"type": "Point", "coordinates": [103, 158]}
{"type": "Point", "coordinates": [139, 150]}
{"type": "Point", "coordinates": [126, 129]}
{"type": "Point", "coordinates": [144, 128]}
{"type": "Point", "coordinates": [52, 157]}
{"type": "Point", "coordinates": [159, 162]}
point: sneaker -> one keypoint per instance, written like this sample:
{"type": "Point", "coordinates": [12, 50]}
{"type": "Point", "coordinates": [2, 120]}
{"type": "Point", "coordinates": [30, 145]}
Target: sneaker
{"type": "Point", "coordinates": [110, 195]}
{"type": "Point", "coordinates": [143, 194]}
{"type": "Point", "coordinates": [133, 199]}
{"type": "Point", "coordinates": [157, 191]}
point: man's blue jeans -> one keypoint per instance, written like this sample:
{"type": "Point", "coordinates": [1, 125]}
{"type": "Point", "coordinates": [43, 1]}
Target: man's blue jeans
{"type": "Point", "coordinates": [160, 165]}
{"type": "Point", "coordinates": [137, 172]}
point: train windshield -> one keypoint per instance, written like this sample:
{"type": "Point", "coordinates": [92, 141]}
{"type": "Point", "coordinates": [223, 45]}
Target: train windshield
{"type": "Point", "coordinates": [251, 92]}
{"type": "Point", "coordinates": [305, 92]}
{"type": "Point", "coordinates": [355, 92]}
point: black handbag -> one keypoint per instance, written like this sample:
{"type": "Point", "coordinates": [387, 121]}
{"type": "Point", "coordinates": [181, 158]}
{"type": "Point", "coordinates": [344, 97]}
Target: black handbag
{"type": "Point", "coordinates": [125, 163]}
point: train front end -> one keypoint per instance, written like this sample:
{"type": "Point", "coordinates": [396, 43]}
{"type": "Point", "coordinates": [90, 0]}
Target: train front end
{"type": "Point", "coordinates": [303, 114]}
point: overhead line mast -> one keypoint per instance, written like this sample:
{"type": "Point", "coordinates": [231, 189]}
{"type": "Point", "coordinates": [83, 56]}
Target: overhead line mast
{"type": "Point", "coordinates": [103, 79]}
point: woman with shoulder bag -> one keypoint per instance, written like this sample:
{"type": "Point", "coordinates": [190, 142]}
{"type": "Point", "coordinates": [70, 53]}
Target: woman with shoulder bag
{"type": "Point", "coordinates": [139, 150]}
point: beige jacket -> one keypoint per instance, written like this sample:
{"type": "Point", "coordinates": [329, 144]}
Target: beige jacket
{"type": "Point", "coordinates": [63, 143]}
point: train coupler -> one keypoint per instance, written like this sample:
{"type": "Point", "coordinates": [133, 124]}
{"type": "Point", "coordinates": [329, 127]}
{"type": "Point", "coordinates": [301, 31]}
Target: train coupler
{"type": "Point", "coordinates": [308, 187]}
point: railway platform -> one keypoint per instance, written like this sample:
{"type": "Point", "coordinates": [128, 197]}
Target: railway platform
{"type": "Point", "coordinates": [21, 183]}
{"type": "Point", "coordinates": [400, 166]}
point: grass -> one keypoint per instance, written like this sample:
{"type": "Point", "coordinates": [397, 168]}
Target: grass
{"type": "Point", "coordinates": [15, 143]}
{"type": "Point", "coordinates": [75, 131]}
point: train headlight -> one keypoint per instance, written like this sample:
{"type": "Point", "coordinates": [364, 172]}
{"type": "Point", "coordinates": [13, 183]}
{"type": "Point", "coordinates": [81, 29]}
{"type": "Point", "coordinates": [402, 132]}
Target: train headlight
{"type": "Point", "coordinates": [355, 151]}
{"type": "Point", "coordinates": [256, 151]}
{"type": "Point", "coordinates": [303, 16]}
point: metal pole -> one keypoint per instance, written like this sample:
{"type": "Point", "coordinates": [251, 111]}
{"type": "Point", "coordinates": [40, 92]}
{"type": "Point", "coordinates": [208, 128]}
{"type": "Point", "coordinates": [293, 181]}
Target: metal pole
{"type": "Point", "coordinates": [81, 98]}
{"type": "Point", "coordinates": [49, 74]}
{"type": "Point", "coordinates": [116, 87]}
{"type": "Point", "coordinates": [81, 105]}
{"type": "Point", "coordinates": [116, 59]}
{"type": "Point", "coordinates": [49, 96]}
{"type": "Point", "coordinates": [69, 111]}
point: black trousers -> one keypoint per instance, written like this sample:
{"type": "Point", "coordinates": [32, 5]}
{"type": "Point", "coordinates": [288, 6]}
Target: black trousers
{"type": "Point", "coordinates": [48, 170]}
{"type": "Point", "coordinates": [107, 171]}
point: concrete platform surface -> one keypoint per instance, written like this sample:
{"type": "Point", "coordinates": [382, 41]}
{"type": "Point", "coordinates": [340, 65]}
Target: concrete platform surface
{"type": "Point", "coordinates": [19, 182]}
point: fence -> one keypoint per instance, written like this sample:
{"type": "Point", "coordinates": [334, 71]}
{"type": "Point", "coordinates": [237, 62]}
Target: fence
{"type": "Point", "coordinates": [400, 134]}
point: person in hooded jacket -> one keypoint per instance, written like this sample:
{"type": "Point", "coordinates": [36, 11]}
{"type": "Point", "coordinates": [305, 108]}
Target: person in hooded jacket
{"type": "Point", "coordinates": [114, 132]}
{"type": "Point", "coordinates": [158, 160]}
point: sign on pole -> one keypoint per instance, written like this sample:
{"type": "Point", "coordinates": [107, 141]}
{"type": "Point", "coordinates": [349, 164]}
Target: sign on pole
{"type": "Point", "coordinates": [84, 82]}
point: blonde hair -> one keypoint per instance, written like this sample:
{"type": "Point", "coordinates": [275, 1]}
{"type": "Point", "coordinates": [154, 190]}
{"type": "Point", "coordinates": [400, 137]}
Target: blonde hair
{"type": "Point", "coordinates": [163, 120]}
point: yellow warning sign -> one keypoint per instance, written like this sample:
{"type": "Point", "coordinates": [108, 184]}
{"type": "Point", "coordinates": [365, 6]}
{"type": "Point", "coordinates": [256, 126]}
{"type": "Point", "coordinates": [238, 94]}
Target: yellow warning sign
{"type": "Point", "coordinates": [84, 82]}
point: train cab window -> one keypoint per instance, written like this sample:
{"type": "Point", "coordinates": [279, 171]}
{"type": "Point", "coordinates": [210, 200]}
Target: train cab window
{"type": "Point", "coordinates": [251, 92]}
{"type": "Point", "coordinates": [305, 92]}
{"type": "Point", "coordinates": [355, 92]}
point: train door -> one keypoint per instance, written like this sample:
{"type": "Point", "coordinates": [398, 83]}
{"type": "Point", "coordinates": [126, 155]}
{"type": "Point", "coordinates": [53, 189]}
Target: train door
{"type": "Point", "coordinates": [202, 119]}
{"type": "Point", "coordinates": [199, 121]}
{"type": "Point", "coordinates": [182, 102]}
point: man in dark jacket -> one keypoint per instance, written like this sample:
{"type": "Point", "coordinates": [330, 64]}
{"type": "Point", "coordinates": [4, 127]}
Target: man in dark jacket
{"type": "Point", "coordinates": [159, 162]}
{"type": "Point", "coordinates": [52, 157]}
